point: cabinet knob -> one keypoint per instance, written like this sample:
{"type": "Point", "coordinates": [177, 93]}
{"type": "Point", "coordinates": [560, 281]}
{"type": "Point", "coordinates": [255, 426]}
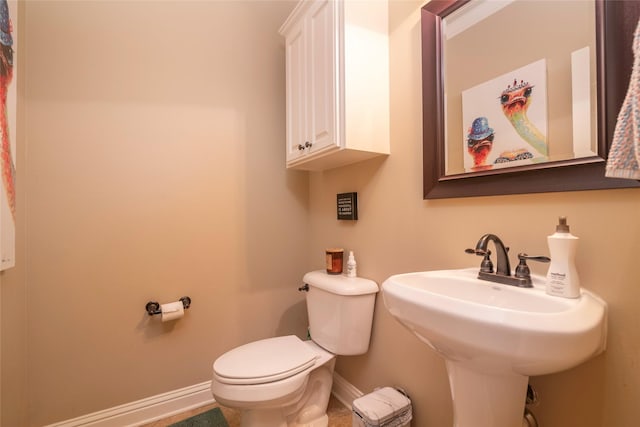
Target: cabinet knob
{"type": "Point", "coordinates": [307, 144]}
{"type": "Point", "coordinates": [300, 147]}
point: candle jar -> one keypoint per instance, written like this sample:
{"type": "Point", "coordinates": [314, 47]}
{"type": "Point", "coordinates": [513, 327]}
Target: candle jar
{"type": "Point", "coordinates": [334, 260]}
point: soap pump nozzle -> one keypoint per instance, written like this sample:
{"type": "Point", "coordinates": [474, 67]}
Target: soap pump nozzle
{"type": "Point", "coordinates": [562, 226]}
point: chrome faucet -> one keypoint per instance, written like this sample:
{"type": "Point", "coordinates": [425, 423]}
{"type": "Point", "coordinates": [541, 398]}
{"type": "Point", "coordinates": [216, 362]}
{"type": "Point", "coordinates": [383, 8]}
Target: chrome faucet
{"type": "Point", "coordinates": [522, 277]}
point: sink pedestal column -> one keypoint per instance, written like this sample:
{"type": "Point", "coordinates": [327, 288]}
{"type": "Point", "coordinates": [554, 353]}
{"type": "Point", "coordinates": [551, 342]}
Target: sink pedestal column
{"type": "Point", "coordinates": [486, 400]}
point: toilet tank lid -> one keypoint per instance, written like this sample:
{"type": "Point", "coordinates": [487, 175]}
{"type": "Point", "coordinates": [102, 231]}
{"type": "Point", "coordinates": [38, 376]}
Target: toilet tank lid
{"type": "Point", "coordinates": [340, 284]}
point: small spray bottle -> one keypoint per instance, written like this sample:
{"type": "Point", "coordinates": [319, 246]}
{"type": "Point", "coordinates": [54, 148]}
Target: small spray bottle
{"type": "Point", "coordinates": [351, 265]}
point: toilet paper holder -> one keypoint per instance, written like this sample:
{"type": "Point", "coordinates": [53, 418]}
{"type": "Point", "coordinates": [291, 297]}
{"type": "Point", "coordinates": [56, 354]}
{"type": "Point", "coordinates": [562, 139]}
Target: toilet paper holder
{"type": "Point", "coordinates": [153, 307]}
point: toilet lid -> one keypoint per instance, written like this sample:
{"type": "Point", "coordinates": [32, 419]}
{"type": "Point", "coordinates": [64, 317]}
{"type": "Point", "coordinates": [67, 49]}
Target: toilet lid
{"type": "Point", "coordinates": [264, 361]}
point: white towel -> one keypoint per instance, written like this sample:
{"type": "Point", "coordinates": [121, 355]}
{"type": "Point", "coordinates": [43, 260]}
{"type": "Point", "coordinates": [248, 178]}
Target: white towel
{"type": "Point", "coordinates": [624, 154]}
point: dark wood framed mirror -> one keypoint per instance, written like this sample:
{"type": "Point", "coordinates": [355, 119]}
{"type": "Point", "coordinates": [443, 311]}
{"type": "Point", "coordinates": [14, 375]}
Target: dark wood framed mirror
{"type": "Point", "coordinates": [612, 58]}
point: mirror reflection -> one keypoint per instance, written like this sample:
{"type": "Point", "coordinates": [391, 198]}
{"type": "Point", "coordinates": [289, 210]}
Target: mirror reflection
{"type": "Point", "coordinates": [520, 85]}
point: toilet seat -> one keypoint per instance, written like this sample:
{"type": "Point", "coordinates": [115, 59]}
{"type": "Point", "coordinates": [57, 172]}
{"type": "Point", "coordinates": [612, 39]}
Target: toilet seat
{"type": "Point", "coordinates": [276, 393]}
{"type": "Point", "coordinates": [264, 361]}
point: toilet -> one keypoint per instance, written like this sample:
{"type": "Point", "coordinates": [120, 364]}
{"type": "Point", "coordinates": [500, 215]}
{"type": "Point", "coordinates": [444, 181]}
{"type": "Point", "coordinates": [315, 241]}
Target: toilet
{"type": "Point", "coordinates": [285, 381]}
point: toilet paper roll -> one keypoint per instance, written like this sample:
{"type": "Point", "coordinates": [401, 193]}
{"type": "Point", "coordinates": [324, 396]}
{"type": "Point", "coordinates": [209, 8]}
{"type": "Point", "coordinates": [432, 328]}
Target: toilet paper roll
{"type": "Point", "coordinates": [172, 311]}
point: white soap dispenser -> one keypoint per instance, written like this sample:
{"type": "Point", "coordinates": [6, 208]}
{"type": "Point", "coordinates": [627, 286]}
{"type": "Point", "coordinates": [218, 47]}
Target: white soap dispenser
{"type": "Point", "coordinates": [351, 265]}
{"type": "Point", "coordinates": [562, 278]}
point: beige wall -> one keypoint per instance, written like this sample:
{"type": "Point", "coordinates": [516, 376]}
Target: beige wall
{"type": "Point", "coordinates": [153, 167]}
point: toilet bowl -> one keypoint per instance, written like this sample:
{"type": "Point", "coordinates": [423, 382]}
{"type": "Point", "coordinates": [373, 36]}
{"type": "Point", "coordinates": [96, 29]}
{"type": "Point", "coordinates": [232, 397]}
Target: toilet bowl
{"type": "Point", "coordinates": [285, 381]}
{"type": "Point", "coordinates": [271, 380]}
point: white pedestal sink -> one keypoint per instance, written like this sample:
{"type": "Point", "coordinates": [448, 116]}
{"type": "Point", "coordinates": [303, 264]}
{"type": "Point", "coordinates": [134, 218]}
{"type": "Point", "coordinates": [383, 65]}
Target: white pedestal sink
{"type": "Point", "coordinates": [494, 336]}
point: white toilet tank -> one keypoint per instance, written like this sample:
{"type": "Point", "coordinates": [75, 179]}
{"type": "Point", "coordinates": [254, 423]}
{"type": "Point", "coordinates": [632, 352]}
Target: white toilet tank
{"type": "Point", "coordinates": [340, 311]}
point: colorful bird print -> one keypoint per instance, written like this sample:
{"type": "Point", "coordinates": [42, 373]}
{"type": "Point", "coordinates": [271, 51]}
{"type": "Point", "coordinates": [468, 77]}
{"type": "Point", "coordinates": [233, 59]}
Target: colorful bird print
{"type": "Point", "coordinates": [480, 142]}
{"type": "Point", "coordinates": [515, 102]}
{"type": "Point", "coordinates": [6, 76]}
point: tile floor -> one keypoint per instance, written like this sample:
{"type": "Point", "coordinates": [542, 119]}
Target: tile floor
{"type": "Point", "coordinates": [339, 415]}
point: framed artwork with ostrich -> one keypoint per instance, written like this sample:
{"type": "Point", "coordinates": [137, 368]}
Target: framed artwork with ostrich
{"type": "Point", "coordinates": [8, 106]}
{"type": "Point", "coordinates": [505, 120]}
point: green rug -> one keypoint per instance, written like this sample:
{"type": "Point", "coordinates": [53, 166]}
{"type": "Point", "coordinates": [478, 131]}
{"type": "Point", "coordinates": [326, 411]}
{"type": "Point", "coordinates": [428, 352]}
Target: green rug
{"type": "Point", "coordinates": [211, 418]}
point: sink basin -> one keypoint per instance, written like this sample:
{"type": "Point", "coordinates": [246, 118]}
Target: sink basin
{"type": "Point", "coordinates": [486, 324]}
{"type": "Point", "coordinates": [494, 336]}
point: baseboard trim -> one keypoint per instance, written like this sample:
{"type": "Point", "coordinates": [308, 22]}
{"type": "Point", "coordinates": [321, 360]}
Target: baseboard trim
{"type": "Point", "coordinates": [174, 402]}
{"type": "Point", "coordinates": [146, 410]}
{"type": "Point", "coordinates": [344, 391]}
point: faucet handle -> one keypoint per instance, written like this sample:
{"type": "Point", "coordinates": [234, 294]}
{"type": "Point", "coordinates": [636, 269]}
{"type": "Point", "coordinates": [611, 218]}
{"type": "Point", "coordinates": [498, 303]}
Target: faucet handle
{"type": "Point", "coordinates": [539, 258]}
{"type": "Point", "coordinates": [478, 252]}
{"type": "Point", "coordinates": [486, 266]}
{"type": "Point", "coordinates": [522, 270]}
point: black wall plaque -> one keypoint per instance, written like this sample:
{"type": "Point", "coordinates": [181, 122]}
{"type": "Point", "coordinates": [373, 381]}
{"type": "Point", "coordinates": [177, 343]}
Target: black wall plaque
{"type": "Point", "coordinates": [347, 206]}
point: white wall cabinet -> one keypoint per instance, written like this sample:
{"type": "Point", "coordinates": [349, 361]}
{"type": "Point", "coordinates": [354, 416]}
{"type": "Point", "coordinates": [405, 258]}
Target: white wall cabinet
{"type": "Point", "coordinates": [337, 82]}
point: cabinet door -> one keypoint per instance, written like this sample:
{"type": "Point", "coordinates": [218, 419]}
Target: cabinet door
{"type": "Point", "coordinates": [322, 73]}
{"type": "Point", "coordinates": [296, 57]}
